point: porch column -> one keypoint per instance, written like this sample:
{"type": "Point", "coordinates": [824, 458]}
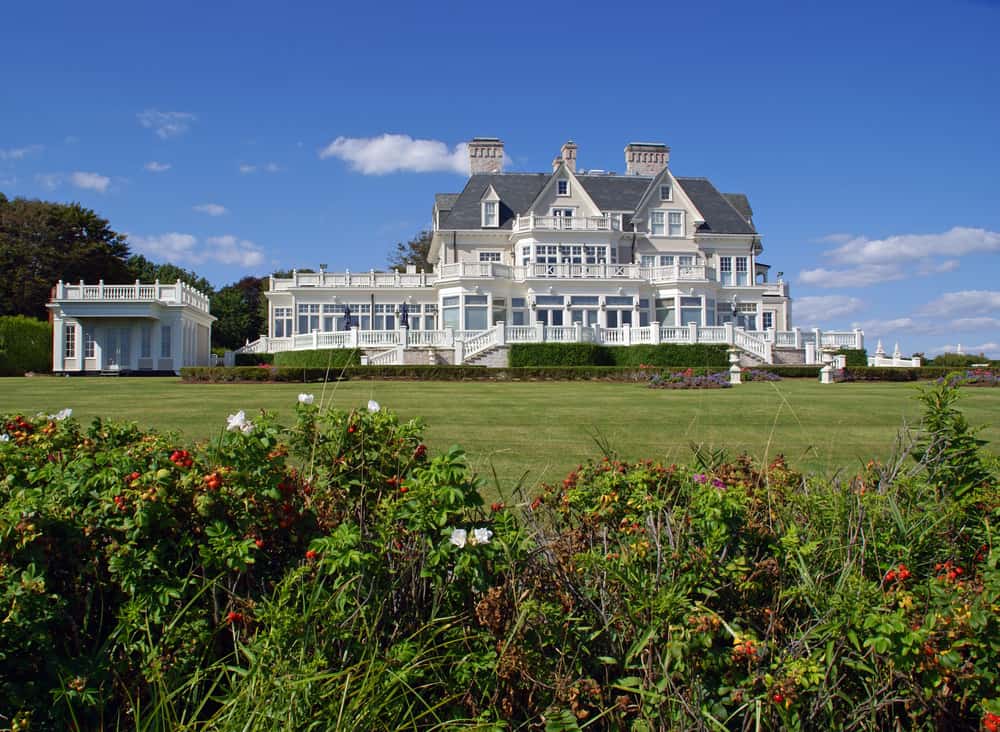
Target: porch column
{"type": "Point", "coordinates": [626, 331]}
{"type": "Point", "coordinates": [578, 332]}
{"type": "Point", "coordinates": [315, 339]}
{"type": "Point", "coordinates": [58, 344]}
{"type": "Point", "coordinates": [655, 332]}
{"type": "Point", "coordinates": [354, 336]}
{"type": "Point", "coordinates": [78, 329]}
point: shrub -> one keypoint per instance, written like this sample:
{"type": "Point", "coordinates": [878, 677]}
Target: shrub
{"type": "Point", "coordinates": [855, 356]}
{"type": "Point", "coordinates": [953, 360]}
{"type": "Point", "coordinates": [25, 345]}
{"type": "Point", "coordinates": [332, 358]}
{"type": "Point", "coordinates": [667, 355]}
{"type": "Point", "coordinates": [254, 359]}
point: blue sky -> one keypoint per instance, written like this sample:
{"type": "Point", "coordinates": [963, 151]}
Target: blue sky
{"type": "Point", "coordinates": [865, 134]}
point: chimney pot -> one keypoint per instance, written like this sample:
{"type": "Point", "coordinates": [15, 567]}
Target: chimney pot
{"type": "Point", "coordinates": [568, 154]}
{"type": "Point", "coordinates": [485, 155]}
{"type": "Point", "coordinates": [646, 158]}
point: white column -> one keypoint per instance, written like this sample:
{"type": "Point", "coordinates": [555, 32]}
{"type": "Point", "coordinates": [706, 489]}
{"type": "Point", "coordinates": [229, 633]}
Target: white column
{"type": "Point", "coordinates": [798, 337]}
{"type": "Point", "coordinates": [577, 332]}
{"type": "Point", "coordinates": [501, 330]}
{"type": "Point", "coordinates": [58, 342]}
{"type": "Point", "coordinates": [459, 352]}
{"type": "Point", "coordinates": [818, 335]}
{"type": "Point", "coordinates": [315, 339]}
{"type": "Point", "coordinates": [729, 332]}
{"type": "Point", "coordinates": [626, 331]}
{"type": "Point", "coordinates": [355, 339]}
{"type": "Point", "coordinates": [692, 332]}
{"type": "Point", "coordinates": [539, 332]}
{"type": "Point", "coordinates": [403, 338]}
{"type": "Point", "coordinates": [655, 332]}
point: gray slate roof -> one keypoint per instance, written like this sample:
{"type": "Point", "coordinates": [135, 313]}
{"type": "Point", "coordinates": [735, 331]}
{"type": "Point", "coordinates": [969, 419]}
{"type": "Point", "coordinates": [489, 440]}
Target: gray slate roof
{"type": "Point", "coordinates": [518, 191]}
{"type": "Point", "coordinates": [445, 201]}
{"type": "Point", "coordinates": [741, 203]}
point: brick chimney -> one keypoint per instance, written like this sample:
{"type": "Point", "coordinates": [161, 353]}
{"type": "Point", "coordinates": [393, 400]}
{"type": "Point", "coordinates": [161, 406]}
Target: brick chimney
{"type": "Point", "coordinates": [646, 158]}
{"type": "Point", "coordinates": [486, 155]}
{"type": "Point", "coordinates": [568, 154]}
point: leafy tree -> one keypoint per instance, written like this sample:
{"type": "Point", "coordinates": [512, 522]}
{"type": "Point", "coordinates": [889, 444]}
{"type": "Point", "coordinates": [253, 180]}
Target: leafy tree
{"type": "Point", "coordinates": [239, 312]}
{"type": "Point", "coordinates": [143, 269]}
{"type": "Point", "coordinates": [42, 242]}
{"type": "Point", "coordinates": [414, 251]}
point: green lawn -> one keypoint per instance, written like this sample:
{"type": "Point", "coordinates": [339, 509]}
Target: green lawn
{"type": "Point", "coordinates": [544, 428]}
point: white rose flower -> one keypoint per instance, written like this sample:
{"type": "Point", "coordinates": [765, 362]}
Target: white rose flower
{"type": "Point", "coordinates": [458, 537]}
{"type": "Point", "coordinates": [373, 406]}
{"type": "Point", "coordinates": [481, 536]}
{"type": "Point", "coordinates": [239, 422]}
{"type": "Point", "coordinates": [62, 414]}
{"type": "Point", "coordinates": [306, 398]}
{"type": "Point", "coordinates": [5, 438]}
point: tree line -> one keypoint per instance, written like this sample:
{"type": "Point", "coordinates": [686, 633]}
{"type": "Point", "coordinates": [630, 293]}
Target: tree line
{"type": "Point", "coordinates": [42, 242]}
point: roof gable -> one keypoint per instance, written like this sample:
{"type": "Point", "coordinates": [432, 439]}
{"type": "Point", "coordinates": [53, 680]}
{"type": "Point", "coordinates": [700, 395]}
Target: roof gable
{"type": "Point", "coordinates": [547, 197]}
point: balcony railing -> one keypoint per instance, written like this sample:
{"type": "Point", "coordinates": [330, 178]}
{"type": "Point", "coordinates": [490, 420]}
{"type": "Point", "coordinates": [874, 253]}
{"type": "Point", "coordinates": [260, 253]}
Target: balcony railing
{"type": "Point", "coordinates": [174, 293]}
{"type": "Point", "coordinates": [531, 222]}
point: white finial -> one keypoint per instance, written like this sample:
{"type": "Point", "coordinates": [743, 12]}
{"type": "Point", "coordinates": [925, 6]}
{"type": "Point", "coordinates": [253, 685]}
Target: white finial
{"type": "Point", "coordinates": [879, 351]}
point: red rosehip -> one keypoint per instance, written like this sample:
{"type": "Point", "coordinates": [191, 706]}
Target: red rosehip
{"type": "Point", "coordinates": [311, 555]}
{"type": "Point", "coordinates": [259, 543]}
{"type": "Point", "coordinates": [778, 697]}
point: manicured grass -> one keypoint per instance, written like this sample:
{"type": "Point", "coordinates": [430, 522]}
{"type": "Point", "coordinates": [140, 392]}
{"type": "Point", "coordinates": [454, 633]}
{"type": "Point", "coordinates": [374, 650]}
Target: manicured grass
{"type": "Point", "coordinates": [545, 429]}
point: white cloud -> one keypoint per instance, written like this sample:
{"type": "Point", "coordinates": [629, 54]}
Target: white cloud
{"type": "Point", "coordinates": [965, 303]}
{"type": "Point", "coordinates": [166, 124]}
{"type": "Point", "coordinates": [186, 249]}
{"type": "Point", "coordinates": [398, 153]}
{"type": "Point", "coordinates": [854, 277]}
{"type": "Point", "coordinates": [271, 168]}
{"type": "Point", "coordinates": [865, 262]}
{"type": "Point", "coordinates": [810, 310]}
{"type": "Point", "coordinates": [246, 169]}
{"type": "Point", "coordinates": [50, 181]}
{"type": "Point", "coordinates": [991, 349]}
{"type": "Point", "coordinates": [892, 325]}
{"type": "Point", "coordinates": [19, 153]}
{"type": "Point", "coordinates": [230, 250]}
{"type": "Point", "coordinates": [955, 242]}
{"type": "Point", "coordinates": [212, 209]}
{"type": "Point", "coordinates": [90, 181]}
{"type": "Point", "coordinates": [155, 167]}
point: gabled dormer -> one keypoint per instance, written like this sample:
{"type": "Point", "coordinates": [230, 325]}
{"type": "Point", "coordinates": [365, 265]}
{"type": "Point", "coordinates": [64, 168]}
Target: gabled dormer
{"type": "Point", "coordinates": [665, 210]}
{"type": "Point", "coordinates": [490, 208]}
{"type": "Point", "coordinates": [563, 195]}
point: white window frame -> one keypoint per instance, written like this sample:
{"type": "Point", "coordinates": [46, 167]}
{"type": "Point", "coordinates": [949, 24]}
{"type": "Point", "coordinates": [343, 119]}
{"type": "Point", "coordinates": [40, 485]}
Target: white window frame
{"type": "Point", "coordinates": [491, 214]}
{"type": "Point", "coordinates": [490, 256]}
{"type": "Point", "coordinates": [560, 185]}
{"type": "Point", "coordinates": [680, 224]}
{"type": "Point", "coordinates": [767, 320]}
{"type": "Point", "coordinates": [669, 190]}
{"type": "Point", "coordinates": [658, 228]}
{"type": "Point", "coordinates": [69, 340]}
{"type": "Point", "coordinates": [727, 277]}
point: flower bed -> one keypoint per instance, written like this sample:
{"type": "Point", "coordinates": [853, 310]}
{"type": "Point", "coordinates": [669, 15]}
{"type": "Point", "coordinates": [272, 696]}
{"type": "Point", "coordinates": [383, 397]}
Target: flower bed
{"type": "Point", "coordinates": [688, 379]}
{"type": "Point", "coordinates": [751, 374]}
{"type": "Point", "coordinates": [972, 377]}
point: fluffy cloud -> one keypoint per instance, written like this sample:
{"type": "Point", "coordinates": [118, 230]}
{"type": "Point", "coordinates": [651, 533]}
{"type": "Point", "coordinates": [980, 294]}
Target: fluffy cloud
{"type": "Point", "coordinates": [955, 242]}
{"type": "Point", "coordinates": [212, 209]}
{"type": "Point", "coordinates": [865, 262]}
{"type": "Point", "coordinates": [247, 168]}
{"type": "Point", "coordinates": [90, 181]}
{"type": "Point", "coordinates": [991, 349]}
{"type": "Point", "coordinates": [398, 153]}
{"type": "Point", "coordinates": [186, 249]}
{"type": "Point", "coordinates": [229, 249]}
{"type": "Point", "coordinates": [19, 153]}
{"type": "Point", "coordinates": [811, 310]}
{"type": "Point", "coordinates": [964, 303]}
{"type": "Point", "coordinates": [154, 167]}
{"type": "Point", "coordinates": [166, 124]}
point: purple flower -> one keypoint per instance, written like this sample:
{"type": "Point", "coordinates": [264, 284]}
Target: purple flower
{"type": "Point", "coordinates": [718, 483]}
{"type": "Point", "coordinates": [700, 478]}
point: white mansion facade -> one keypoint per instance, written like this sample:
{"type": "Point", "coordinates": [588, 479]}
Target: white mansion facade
{"type": "Point", "coordinates": [566, 255]}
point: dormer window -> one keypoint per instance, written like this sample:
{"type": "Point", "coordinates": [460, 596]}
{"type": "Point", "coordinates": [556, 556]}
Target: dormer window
{"type": "Point", "coordinates": [562, 187]}
{"type": "Point", "coordinates": [666, 192]}
{"type": "Point", "coordinates": [491, 214]}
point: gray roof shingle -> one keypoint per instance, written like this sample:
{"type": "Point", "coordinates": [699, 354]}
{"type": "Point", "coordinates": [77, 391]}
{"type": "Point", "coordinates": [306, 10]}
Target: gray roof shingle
{"type": "Point", "coordinates": [445, 201]}
{"type": "Point", "coordinates": [518, 191]}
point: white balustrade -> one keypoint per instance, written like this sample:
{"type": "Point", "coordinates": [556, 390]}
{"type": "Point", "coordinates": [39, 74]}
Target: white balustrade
{"type": "Point", "coordinates": [176, 292]}
{"type": "Point", "coordinates": [521, 334]}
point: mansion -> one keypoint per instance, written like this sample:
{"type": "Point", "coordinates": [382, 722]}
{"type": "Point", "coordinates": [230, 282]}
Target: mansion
{"type": "Point", "coordinates": [565, 255]}
{"type": "Point", "coordinates": [642, 257]}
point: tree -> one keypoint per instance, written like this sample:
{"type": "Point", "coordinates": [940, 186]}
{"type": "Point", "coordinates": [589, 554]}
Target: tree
{"type": "Point", "coordinates": [239, 312]}
{"type": "Point", "coordinates": [414, 251]}
{"type": "Point", "coordinates": [43, 242]}
{"type": "Point", "coordinates": [143, 269]}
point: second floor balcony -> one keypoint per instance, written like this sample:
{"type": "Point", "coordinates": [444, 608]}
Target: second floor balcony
{"type": "Point", "coordinates": [457, 271]}
{"type": "Point", "coordinates": [530, 222]}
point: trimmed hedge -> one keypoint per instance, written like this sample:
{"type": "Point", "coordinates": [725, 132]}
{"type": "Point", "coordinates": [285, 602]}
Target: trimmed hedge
{"type": "Point", "coordinates": [334, 358]}
{"type": "Point", "coordinates": [855, 357]}
{"type": "Point", "coordinates": [664, 355]}
{"type": "Point", "coordinates": [425, 373]}
{"type": "Point", "coordinates": [791, 372]}
{"type": "Point", "coordinates": [254, 359]}
{"type": "Point", "coordinates": [25, 345]}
